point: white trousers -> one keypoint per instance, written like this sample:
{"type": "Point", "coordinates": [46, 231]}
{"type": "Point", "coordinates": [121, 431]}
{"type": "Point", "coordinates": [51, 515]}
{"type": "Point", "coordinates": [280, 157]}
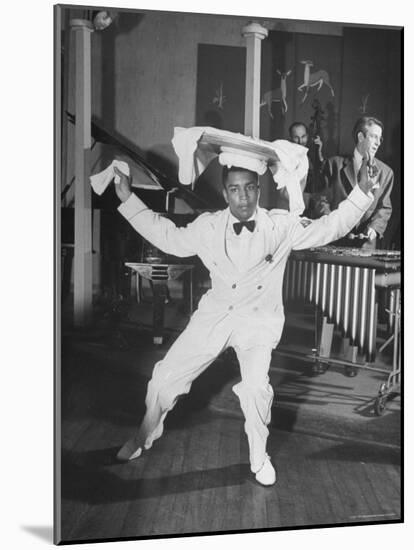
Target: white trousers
{"type": "Point", "coordinates": [205, 337]}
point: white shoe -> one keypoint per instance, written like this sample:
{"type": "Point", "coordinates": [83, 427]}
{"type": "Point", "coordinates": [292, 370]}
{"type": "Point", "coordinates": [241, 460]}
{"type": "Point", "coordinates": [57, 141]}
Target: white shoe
{"type": "Point", "coordinates": [129, 451]}
{"type": "Point", "coordinates": [267, 474]}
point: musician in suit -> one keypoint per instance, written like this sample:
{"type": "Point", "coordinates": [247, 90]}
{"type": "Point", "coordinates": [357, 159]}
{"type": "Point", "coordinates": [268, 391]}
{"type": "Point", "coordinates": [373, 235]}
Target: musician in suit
{"type": "Point", "coordinates": [245, 248]}
{"type": "Point", "coordinates": [299, 133]}
{"type": "Point", "coordinates": [340, 178]}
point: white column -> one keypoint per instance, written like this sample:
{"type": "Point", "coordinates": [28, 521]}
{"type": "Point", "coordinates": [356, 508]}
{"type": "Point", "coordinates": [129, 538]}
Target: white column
{"type": "Point", "coordinates": [254, 34]}
{"type": "Point", "coordinates": [96, 247]}
{"type": "Point", "coordinates": [83, 216]}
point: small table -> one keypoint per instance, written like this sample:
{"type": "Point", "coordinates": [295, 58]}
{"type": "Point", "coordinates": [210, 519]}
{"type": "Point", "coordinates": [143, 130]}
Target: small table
{"type": "Point", "coordinates": [159, 274]}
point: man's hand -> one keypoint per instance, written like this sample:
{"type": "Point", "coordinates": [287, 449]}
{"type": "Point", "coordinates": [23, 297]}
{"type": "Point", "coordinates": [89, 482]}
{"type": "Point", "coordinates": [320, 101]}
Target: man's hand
{"type": "Point", "coordinates": [320, 205]}
{"type": "Point", "coordinates": [364, 182]}
{"type": "Point", "coordinates": [317, 142]}
{"type": "Point", "coordinates": [123, 188]}
{"type": "Point", "coordinates": [369, 245]}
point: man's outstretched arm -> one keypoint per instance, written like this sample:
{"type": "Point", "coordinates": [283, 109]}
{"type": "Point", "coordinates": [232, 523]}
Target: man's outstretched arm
{"type": "Point", "coordinates": [158, 230]}
{"type": "Point", "coordinates": [339, 222]}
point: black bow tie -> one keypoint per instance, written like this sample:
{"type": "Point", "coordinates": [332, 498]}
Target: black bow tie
{"type": "Point", "coordinates": [238, 226]}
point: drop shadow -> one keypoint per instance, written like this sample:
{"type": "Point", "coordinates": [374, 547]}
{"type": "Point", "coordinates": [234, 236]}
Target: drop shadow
{"type": "Point", "coordinates": [42, 532]}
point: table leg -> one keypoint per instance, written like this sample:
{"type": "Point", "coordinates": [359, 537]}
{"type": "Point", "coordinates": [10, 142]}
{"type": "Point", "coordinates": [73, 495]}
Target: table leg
{"type": "Point", "coordinates": [138, 287]}
{"type": "Point", "coordinates": [160, 292]}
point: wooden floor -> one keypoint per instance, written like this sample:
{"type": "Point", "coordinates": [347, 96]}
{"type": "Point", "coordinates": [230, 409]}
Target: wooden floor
{"type": "Point", "coordinates": [196, 478]}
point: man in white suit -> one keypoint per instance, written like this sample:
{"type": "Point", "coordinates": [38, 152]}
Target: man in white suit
{"type": "Point", "coordinates": [245, 248]}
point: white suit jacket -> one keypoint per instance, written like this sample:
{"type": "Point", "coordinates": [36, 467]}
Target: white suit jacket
{"type": "Point", "coordinates": [253, 298]}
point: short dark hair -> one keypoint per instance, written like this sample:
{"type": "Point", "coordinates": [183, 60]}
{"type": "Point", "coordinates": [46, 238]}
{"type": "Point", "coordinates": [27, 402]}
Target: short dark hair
{"type": "Point", "coordinates": [295, 125]}
{"type": "Point", "coordinates": [362, 124]}
{"type": "Point", "coordinates": [227, 171]}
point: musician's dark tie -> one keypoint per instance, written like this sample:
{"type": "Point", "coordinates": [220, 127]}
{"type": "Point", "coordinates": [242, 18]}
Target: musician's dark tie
{"type": "Point", "coordinates": [238, 226]}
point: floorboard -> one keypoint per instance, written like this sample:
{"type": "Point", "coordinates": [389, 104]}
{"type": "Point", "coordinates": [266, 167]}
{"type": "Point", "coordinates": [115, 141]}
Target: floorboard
{"type": "Point", "coordinates": [336, 462]}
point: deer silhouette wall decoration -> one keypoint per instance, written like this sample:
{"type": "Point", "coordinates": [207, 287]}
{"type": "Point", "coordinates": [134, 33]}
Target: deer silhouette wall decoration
{"type": "Point", "coordinates": [277, 95]}
{"type": "Point", "coordinates": [318, 78]}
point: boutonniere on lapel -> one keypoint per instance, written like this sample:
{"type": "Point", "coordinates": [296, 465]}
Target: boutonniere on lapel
{"type": "Point", "coordinates": [269, 258]}
{"type": "Point", "coordinates": [372, 169]}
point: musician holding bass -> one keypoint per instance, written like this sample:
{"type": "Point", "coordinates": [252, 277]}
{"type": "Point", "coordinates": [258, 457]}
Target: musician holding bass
{"type": "Point", "coordinates": [316, 203]}
{"type": "Point", "coordinates": [340, 178]}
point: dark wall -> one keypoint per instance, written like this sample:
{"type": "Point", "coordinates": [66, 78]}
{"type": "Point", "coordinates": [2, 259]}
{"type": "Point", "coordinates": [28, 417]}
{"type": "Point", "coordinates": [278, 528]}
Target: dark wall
{"type": "Point", "coordinates": [372, 70]}
{"type": "Point", "coordinates": [152, 71]}
{"type": "Point", "coordinates": [221, 81]}
{"type": "Point", "coordinates": [364, 69]}
{"type": "Point", "coordinates": [286, 51]}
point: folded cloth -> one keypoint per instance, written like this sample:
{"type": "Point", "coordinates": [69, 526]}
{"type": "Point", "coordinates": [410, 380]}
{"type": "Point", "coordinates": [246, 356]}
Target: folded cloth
{"type": "Point", "coordinates": [293, 165]}
{"type": "Point", "coordinates": [288, 161]}
{"type": "Point", "coordinates": [242, 159]}
{"type": "Point", "coordinates": [100, 182]}
{"type": "Point", "coordinates": [192, 161]}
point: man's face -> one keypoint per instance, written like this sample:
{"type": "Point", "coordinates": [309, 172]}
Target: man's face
{"type": "Point", "coordinates": [370, 140]}
{"type": "Point", "coordinates": [299, 135]}
{"type": "Point", "coordinates": [241, 192]}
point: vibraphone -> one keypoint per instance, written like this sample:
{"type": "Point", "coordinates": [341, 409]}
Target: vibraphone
{"type": "Point", "coordinates": [342, 283]}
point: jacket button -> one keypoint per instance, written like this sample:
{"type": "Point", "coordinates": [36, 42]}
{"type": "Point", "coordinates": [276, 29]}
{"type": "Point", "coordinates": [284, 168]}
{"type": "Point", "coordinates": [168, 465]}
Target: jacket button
{"type": "Point", "coordinates": [230, 308]}
{"type": "Point", "coordinates": [259, 287]}
{"type": "Point", "coordinates": [233, 285]}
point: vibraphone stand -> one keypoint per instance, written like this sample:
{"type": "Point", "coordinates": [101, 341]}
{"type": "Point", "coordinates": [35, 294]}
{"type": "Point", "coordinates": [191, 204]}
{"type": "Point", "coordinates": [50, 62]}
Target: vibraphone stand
{"type": "Point", "coordinates": [342, 284]}
{"type": "Point", "coordinates": [349, 352]}
{"type": "Point", "coordinates": [322, 342]}
{"type": "Point", "coordinates": [321, 352]}
{"type": "Point", "coordinates": [393, 383]}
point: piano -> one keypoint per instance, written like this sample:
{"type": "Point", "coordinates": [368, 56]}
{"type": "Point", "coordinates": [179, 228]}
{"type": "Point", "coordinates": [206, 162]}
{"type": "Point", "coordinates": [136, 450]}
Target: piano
{"type": "Point", "coordinates": [126, 257]}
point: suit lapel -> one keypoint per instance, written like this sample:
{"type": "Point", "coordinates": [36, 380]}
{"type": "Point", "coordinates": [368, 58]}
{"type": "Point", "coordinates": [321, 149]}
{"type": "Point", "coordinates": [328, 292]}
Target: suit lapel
{"type": "Point", "coordinates": [266, 224]}
{"type": "Point", "coordinates": [348, 174]}
{"type": "Point", "coordinates": [222, 261]}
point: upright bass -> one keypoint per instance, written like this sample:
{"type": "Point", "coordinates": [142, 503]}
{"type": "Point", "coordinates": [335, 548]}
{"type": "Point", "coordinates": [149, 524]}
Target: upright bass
{"type": "Point", "coordinates": [315, 148]}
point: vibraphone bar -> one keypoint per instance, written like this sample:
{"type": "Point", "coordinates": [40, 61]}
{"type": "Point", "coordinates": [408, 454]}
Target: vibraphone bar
{"type": "Point", "coordinates": [342, 283]}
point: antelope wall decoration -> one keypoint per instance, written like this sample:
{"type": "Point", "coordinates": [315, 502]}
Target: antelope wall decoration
{"type": "Point", "coordinates": [277, 95]}
{"type": "Point", "coordinates": [318, 78]}
{"type": "Point", "coordinates": [364, 104]}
